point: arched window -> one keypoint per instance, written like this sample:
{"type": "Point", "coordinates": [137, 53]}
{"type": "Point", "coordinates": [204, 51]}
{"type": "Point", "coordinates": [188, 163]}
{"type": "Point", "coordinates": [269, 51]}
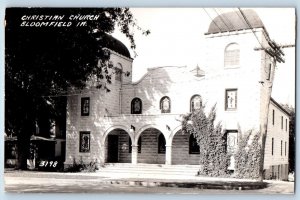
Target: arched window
{"type": "Point", "coordinates": [118, 72]}
{"type": "Point", "coordinates": [196, 103]}
{"type": "Point", "coordinates": [136, 106]}
{"type": "Point", "coordinates": [161, 144]}
{"type": "Point", "coordinates": [232, 56]}
{"type": "Point", "coordinates": [193, 145]}
{"type": "Point", "coordinates": [165, 105]}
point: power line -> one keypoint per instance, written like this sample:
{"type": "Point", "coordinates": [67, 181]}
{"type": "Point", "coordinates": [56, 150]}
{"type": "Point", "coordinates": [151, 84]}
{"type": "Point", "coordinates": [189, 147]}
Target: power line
{"type": "Point", "coordinates": [250, 26]}
{"type": "Point", "coordinates": [221, 19]}
{"type": "Point", "coordinates": [273, 50]}
{"type": "Point", "coordinates": [226, 19]}
{"type": "Point", "coordinates": [212, 19]}
{"type": "Point", "coordinates": [237, 13]}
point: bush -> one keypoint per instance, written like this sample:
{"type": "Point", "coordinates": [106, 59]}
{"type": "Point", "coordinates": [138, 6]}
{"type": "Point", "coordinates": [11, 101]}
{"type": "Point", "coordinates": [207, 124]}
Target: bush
{"type": "Point", "coordinates": [81, 167]}
{"type": "Point", "coordinates": [248, 155]}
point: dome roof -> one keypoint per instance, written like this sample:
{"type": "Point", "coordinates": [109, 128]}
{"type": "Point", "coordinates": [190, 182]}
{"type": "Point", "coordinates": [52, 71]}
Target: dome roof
{"type": "Point", "coordinates": [116, 45]}
{"type": "Point", "coordinates": [234, 21]}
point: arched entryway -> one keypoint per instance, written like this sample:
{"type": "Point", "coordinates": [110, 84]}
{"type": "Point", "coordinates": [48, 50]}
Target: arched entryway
{"type": "Point", "coordinates": [117, 147]}
{"type": "Point", "coordinates": [185, 150]}
{"type": "Point", "coordinates": [152, 147]}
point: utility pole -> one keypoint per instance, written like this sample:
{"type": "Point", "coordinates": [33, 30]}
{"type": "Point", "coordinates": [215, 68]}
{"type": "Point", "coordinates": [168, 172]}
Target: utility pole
{"type": "Point", "coordinates": [275, 50]}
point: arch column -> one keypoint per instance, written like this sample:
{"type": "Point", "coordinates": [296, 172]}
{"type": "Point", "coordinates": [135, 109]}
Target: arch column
{"type": "Point", "coordinates": [102, 153]}
{"type": "Point", "coordinates": [168, 155]}
{"type": "Point", "coordinates": [134, 154]}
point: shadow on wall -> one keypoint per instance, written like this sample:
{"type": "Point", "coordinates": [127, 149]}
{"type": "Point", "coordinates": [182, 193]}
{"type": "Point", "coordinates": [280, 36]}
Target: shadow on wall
{"type": "Point", "coordinates": [150, 89]}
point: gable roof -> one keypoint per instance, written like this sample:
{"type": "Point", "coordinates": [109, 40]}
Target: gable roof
{"type": "Point", "coordinates": [279, 106]}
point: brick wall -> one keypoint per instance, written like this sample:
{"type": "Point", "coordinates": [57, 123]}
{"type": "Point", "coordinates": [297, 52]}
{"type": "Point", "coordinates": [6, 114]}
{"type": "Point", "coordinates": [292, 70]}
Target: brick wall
{"type": "Point", "coordinates": [149, 150]}
{"type": "Point", "coordinates": [180, 151]}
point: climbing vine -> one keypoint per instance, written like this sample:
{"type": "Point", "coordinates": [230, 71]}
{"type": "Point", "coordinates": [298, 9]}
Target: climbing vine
{"type": "Point", "coordinates": [248, 156]}
{"type": "Point", "coordinates": [214, 160]}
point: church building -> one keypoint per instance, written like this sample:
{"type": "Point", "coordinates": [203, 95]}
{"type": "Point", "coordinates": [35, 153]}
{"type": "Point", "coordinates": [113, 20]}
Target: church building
{"type": "Point", "coordinates": [140, 122]}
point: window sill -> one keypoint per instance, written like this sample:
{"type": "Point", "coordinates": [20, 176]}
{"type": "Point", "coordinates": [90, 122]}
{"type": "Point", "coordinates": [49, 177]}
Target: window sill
{"type": "Point", "coordinates": [231, 110]}
{"type": "Point", "coordinates": [232, 67]}
{"type": "Point", "coordinates": [194, 153]}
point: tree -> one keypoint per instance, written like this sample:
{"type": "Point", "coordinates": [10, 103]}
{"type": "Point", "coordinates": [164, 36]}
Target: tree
{"type": "Point", "coordinates": [214, 160]}
{"type": "Point", "coordinates": [292, 141]}
{"type": "Point", "coordinates": [42, 62]}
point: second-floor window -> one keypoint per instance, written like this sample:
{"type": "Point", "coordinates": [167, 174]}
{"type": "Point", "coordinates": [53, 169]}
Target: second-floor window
{"type": "Point", "coordinates": [285, 148]}
{"type": "Point", "coordinates": [281, 148]}
{"type": "Point", "coordinates": [231, 99]}
{"type": "Point", "coordinates": [272, 148]}
{"type": "Point", "coordinates": [196, 103]}
{"type": "Point", "coordinates": [85, 106]}
{"type": "Point", "coordinates": [273, 117]}
{"type": "Point", "coordinates": [165, 105]}
{"type": "Point", "coordinates": [118, 72]}
{"type": "Point", "coordinates": [136, 106]}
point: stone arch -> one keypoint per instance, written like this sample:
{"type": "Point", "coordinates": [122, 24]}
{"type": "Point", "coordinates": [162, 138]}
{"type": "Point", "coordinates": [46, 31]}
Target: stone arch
{"type": "Point", "coordinates": [117, 127]}
{"type": "Point", "coordinates": [180, 148]}
{"type": "Point", "coordinates": [151, 150]}
{"type": "Point", "coordinates": [116, 148]}
{"type": "Point", "coordinates": [142, 129]}
{"type": "Point", "coordinates": [174, 131]}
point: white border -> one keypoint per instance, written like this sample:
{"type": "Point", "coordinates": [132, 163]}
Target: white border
{"type": "Point", "coordinates": [133, 3]}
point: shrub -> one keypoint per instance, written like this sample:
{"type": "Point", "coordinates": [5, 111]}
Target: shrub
{"type": "Point", "coordinates": [81, 167]}
{"type": "Point", "coordinates": [248, 155]}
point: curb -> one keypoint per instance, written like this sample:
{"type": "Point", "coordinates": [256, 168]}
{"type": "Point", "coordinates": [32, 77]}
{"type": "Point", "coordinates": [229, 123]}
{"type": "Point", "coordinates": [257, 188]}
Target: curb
{"type": "Point", "coordinates": [199, 185]}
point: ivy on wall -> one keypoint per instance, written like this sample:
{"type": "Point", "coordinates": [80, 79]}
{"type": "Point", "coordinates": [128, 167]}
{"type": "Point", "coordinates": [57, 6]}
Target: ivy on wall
{"type": "Point", "coordinates": [213, 158]}
{"type": "Point", "coordinates": [248, 155]}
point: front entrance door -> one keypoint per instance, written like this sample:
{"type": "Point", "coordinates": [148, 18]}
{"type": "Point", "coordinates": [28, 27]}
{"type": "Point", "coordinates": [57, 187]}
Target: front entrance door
{"type": "Point", "coordinates": [112, 148]}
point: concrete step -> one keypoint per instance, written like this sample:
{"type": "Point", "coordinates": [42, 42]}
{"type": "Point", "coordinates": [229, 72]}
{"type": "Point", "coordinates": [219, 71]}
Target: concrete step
{"type": "Point", "coordinates": [155, 170]}
{"type": "Point", "coordinates": [151, 166]}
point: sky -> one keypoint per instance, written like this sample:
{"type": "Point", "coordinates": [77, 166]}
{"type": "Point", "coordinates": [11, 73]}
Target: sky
{"type": "Point", "coordinates": [177, 39]}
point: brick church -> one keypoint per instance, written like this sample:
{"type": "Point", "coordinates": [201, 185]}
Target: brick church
{"type": "Point", "coordinates": [140, 122]}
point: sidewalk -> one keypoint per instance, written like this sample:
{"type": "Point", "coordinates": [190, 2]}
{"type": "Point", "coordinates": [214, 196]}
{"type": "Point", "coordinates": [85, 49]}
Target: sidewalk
{"type": "Point", "coordinates": [149, 180]}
